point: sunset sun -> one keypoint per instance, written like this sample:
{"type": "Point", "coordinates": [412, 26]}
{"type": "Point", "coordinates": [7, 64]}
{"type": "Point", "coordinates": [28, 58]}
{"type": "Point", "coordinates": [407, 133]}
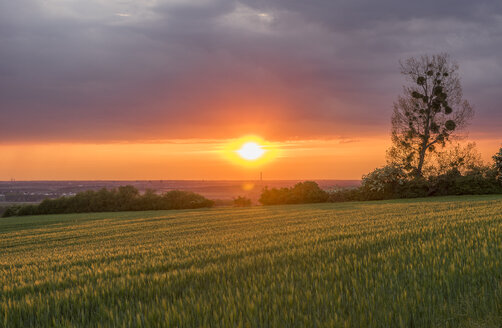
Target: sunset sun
{"type": "Point", "coordinates": [251, 151]}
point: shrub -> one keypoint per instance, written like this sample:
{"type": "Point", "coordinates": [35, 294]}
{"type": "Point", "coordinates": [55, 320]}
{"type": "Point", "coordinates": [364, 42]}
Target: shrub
{"type": "Point", "coordinates": [242, 202]}
{"type": "Point", "coordinates": [390, 182]}
{"type": "Point", "coordinates": [126, 198]}
{"type": "Point", "coordinates": [481, 180]}
{"type": "Point", "coordinates": [384, 182]}
{"type": "Point", "coordinates": [274, 196]}
{"type": "Point", "coordinates": [308, 192]}
{"type": "Point", "coordinates": [498, 164]}
{"type": "Point", "coordinates": [346, 195]}
{"type": "Point", "coordinates": [302, 192]}
{"type": "Point", "coordinates": [177, 199]}
{"type": "Point", "coordinates": [413, 188]}
{"type": "Point", "coordinates": [11, 211]}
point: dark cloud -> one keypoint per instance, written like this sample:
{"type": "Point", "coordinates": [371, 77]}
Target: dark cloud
{"type": "Point", "coordinates": [127, 70]}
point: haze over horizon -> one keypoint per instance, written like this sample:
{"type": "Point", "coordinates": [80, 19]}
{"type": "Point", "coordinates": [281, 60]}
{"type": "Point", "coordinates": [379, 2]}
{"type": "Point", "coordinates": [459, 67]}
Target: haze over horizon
{"type": "Point", "coordinates": [156, 89]}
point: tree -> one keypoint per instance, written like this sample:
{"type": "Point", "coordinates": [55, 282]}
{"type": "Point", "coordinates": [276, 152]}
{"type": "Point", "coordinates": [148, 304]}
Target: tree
{"type": "Point", "coordinates": [308, 192]}
{"type": "Point", "coordinates": [498, 164]}
{"type": "Point", "coordinates": [463, 158]}
{"type": "Point", "coordinates": [429, 113]}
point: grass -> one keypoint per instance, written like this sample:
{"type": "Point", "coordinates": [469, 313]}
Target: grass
{"type": "Point", "coordinates": [411, 263]}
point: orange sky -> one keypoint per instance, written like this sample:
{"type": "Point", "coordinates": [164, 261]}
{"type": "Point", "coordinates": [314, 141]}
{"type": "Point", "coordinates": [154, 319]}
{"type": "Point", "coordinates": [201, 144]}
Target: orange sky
{"type": "Point", "coordinates": [197, 159]}
{"type": "Point", "coordinates": [154, 89]}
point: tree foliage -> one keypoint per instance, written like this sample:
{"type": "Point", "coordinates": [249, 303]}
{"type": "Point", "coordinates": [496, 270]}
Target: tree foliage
{"type": "Point", "coordinates": [126, 198]}
{"type": "Point", "coordinates": [384, 180]}
{"type": "Point", "coordinates": [429, 113]}
{"type": "Point", "coordinates": [463, 158]}
{"type": "Point", "coordinates": [498, 164]}
{"type": "Point", "coordinates": [302, 192]}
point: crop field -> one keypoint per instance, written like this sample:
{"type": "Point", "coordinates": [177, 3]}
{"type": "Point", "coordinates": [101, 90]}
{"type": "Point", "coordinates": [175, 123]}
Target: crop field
{"type": "Point", "coordinates": [414, 263]}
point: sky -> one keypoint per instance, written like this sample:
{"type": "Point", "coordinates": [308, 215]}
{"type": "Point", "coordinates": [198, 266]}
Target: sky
{"type": "Point", "coordinates": [154, 89]}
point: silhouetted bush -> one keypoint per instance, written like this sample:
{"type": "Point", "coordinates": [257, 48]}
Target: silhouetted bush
{"type": "Point", "coordinates": [412, 188]}
{"type": "Point", "coordinates": [498, 165]}
{"type": "Point", "coordinates": [242, 202]}
{"type": "Point", "coordinates": [346, 195]}
{"type": "Point", "coordinates": [11, 210]}
{"type": "Point", "coordinates": [178, 199]}
{"type": "Point", "coordinates": [126, 198]}
{"type": "Point", "coordinates": [390, 182]}
{"type": "Point", "coordinates": [478, 181]}
{"type": "Point", "coordinates": [302, 192]}
{"type": "Point", "coordinates": [382, 183]}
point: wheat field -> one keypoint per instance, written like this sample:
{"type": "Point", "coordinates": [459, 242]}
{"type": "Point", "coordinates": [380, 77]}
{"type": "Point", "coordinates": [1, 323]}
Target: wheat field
{"type": "Point", "coordinates": [414, 263]}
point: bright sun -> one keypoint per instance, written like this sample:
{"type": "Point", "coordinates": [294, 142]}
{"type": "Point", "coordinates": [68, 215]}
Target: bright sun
{"type": "Point", "coordinates": [251, 151]}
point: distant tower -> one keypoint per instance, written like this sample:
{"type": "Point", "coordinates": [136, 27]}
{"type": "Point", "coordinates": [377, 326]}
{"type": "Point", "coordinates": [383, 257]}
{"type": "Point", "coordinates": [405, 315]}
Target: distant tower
{"type": "Point", "coordinates": [261, 176]}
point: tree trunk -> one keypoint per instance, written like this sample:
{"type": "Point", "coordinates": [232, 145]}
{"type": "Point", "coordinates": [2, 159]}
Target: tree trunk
{"type": "Point", "coordinates": [425, 141]}
{"type": "Point", "coordinates": [421, 159]}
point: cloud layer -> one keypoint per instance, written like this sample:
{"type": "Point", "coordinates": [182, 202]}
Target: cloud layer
{"type": "Point", "coordinates": [146, 70]}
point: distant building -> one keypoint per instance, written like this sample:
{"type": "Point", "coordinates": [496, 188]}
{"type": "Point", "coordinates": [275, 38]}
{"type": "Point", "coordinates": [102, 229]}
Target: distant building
{"type": "Point", "coordinates": [2, 198]}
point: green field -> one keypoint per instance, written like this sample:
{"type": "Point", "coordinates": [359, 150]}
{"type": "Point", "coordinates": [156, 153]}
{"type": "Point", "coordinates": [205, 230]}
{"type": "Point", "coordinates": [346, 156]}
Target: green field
{"type": "Point", "coordinates": [413, 263]}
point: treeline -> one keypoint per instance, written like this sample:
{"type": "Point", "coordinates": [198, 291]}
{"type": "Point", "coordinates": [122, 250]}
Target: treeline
{"type": "Point", "coordinates": [126, 198]}
{"type": "Point", "coordinates": [387, 185]}
{"type": "Point", "coordinates": [390, 182]}
{"type": "Point", "coordinates": [459, 176]}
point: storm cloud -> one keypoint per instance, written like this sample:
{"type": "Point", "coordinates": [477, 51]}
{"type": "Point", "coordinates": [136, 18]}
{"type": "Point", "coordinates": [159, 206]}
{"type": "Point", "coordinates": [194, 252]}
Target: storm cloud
{"type": "Point", "coordinates": [147, 70]}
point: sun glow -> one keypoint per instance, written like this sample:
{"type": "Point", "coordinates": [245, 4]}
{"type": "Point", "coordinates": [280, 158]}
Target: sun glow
{"type": "Point", "coordinates": [250, 151]}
